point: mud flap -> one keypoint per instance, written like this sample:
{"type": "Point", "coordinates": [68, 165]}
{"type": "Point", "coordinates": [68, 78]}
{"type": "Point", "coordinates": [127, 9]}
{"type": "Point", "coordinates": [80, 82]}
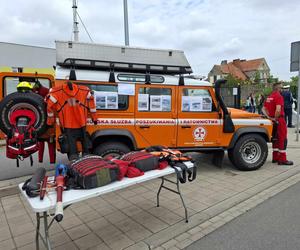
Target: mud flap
{"type": "Point", "coordinates": [217, 158]}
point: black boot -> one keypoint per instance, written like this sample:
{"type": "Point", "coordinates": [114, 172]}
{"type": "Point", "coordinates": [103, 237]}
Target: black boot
{"type": "Point", "coordinates": [287, 163]}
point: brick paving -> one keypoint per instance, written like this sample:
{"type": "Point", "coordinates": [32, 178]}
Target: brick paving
{"type": "Point", "coordinates": [129, 219]}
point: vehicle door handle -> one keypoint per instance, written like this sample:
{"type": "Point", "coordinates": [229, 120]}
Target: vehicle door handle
{"type": "Point", "coordinates": [145, 126]}
{"type": "Point", "coordinates": [186, 126]}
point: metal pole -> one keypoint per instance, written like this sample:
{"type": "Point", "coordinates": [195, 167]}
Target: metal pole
{"type": "Point", "coordinates": [75, 22]}
{"type": "Point", "coordinates": [298, 102]}
{"type": "Point", "coordinates": [126, 29]}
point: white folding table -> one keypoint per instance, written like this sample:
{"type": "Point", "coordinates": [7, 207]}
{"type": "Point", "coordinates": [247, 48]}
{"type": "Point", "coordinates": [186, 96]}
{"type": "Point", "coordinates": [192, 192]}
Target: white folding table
{"type": "Point", "coordinates": [41, 207]}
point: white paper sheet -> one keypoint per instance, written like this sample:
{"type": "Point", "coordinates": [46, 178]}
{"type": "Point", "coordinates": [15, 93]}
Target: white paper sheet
{"type": "Point", "coordinates": [196, 104]}
{"type": "Point", "coordinates": [143, 102]}
{"type": "Point", "coordinates": [155, 103]}
{"type": "Point", "coordinates": [106, 100]}
{"type": "Point", "coordinates": [185, 103]}
{"type": "Point", "coordinates": [126, 89]}
{"type": "Point", "coordinates": [166, 102]}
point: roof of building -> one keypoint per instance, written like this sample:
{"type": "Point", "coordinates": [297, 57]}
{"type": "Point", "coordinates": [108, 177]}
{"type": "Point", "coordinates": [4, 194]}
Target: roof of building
{"type": "Point", "coordinates": [230, 68]}
{"type": "Point", "coordinates": [238, 68]}
{"type": "Point", "coordinates": [251, 65]}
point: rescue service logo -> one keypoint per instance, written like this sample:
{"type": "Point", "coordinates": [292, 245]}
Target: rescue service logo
{"type": "Point", "coordinates": [199, 133]}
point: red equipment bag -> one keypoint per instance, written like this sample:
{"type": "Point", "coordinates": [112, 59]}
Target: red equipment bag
{"type": "Point", "coordinates": [93, 171]}
{"type": "Point", "coordinates": [143, 161]}
{"type": "Point", "coordinates": [22, 139]}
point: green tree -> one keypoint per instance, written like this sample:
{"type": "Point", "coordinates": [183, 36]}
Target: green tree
{"type": "Point", "coordinates": [272, 79]}
{"type": "Point", "coordinates": [232, 81]}
{"type": "Point", "coordinates": [256, 79]}
{"type": "Point", "coordinates": [294, 85]}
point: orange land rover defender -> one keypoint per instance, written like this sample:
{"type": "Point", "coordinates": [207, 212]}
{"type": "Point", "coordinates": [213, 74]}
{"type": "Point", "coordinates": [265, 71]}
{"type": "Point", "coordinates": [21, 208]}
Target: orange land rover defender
{"type": "Point", "coordinates": [141, 103]}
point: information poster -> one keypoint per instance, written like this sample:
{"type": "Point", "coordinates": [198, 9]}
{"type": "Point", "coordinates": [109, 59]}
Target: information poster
{"type": "Point", "coordinates": [196, 104]}
{"type": "Point", "coordinates": [106, 100]}
{"type": "Point", "coordinates": [155, 103]}
{"type": "Point", "coordinates": [185, 103]}
{"type": "Point", "coordinates": [206, 104]}
{"type": "Point", "coordinates": [166, 102]}
{"type": "Point", "coordinates": [143, 102]}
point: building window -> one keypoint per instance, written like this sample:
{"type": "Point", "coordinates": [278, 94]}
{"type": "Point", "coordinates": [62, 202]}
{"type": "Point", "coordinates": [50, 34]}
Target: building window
{"type": "Point", "coordinates": [139, 78]}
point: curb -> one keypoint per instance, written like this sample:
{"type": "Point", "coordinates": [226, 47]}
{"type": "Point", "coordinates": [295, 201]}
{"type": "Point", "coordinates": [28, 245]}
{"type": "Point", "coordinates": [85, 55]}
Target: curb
{"type": "Point", "coordinates": [173, 231]}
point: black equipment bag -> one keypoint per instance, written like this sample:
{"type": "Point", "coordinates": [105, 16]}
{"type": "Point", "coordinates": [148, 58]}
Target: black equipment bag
{"type": "Point", "coordinates": [93, 171]}
{"type": "Point", "coordinates": [143, 161]}
{"type": "Point", "coordinates": [32, 186]}
{"type": "Point", "coordinates": [176, 160]}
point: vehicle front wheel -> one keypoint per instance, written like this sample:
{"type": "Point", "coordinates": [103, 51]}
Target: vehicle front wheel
{"type": "Point", "coordinates": [250, 152]}
{"type": "Point", "coordinates": [114, 149]}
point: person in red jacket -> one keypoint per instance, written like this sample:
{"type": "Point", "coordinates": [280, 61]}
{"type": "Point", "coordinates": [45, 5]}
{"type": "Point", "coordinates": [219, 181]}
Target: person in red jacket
{"type": "Point", "coordinates": [274, 110]}
{"type": "Point", "coordinates": [72, 103]}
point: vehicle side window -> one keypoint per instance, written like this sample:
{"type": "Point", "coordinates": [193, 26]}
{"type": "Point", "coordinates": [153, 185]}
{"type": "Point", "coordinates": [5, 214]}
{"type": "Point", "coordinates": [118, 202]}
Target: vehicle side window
{"type": "Point", "coordinates": [154, 99]}
{"type": "Point", "coordinates": [140, 78]}
{"type": "Point", "coordinates": [107, 97]}
{"type": "Point", "coordinates": [10, 83]}
{"type": "Point", "coordinates": [196, 100]}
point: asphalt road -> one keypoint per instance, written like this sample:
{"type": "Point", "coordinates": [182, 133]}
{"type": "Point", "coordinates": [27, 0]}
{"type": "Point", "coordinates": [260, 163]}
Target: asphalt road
{"type": "Point", "coordinates": [9, 170]}
{"type": "Point", "coordinates": [274, 225]}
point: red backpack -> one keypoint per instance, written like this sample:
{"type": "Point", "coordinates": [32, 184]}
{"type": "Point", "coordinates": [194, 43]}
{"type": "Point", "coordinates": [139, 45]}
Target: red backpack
{"type": "Point", "coordinates": [93, 171]}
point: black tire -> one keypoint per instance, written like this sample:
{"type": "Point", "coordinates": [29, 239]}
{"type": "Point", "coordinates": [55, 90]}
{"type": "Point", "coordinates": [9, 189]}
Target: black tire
{"type": "Point", "coordinates": [111, 148]}
{"type": "Point", "coordinates": [16, 101]}
{"type": "Point", "coordinates": [250, 152]}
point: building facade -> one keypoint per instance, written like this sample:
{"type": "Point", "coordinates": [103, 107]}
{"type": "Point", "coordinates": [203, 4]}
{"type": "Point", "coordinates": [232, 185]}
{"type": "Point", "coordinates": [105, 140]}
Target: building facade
{"type": "Point", "coordinates": [251, 70]}
{"type": "Point", "coordinates": [25, 58]}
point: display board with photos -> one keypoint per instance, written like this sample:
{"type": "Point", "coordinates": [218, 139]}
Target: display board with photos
{"type": "Point", "coordinates": [108, 97]}
{"type": "Point", "coordinates": [154, 99]}
{"type": "Point", "coordinates": [196, 100]}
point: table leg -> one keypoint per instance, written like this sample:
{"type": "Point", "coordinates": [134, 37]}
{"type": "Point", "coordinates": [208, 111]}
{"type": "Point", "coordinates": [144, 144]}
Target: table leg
{"type": "Point", "coordinates": [177, 191]}
{"type": "Point", "coordinates": [160, 187]}
{"type": "Point", "coordinates": [37, 234]}
{"type": "Point", "coordinates": [45, 239]}
{"type": "Point", "coordinates": [46, 228]}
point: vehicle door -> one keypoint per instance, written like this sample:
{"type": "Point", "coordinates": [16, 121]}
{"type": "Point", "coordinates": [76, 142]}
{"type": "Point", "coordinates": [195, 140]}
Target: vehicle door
{"type": "Point", "coordinates": [155, 115]}
{"type": "Point", "coordinates": [199, 123]}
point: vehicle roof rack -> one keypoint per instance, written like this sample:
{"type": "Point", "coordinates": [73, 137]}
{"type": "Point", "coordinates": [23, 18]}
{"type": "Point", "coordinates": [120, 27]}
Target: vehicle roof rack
{"type": "Point", "coordinates": [126, 59]}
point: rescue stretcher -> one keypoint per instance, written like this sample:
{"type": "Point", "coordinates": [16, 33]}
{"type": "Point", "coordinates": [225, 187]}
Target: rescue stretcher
{"type": "Point", "coordinates": [42, 207]}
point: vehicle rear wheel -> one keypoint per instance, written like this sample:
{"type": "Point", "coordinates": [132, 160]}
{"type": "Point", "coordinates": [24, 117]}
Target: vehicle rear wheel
{"type": "Point", "coordinates": [250, 152]}
{"type": "Point", "coordinates": [114, 149]}
{"type": "Point", "coordinates": [23, 101]}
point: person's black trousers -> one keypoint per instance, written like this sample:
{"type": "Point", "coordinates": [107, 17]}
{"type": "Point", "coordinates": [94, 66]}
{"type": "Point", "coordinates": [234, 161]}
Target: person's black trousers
{"type": "Point", "coordinates": [288, 116]}
{"type": "Point", "coordinates": [74, 135]}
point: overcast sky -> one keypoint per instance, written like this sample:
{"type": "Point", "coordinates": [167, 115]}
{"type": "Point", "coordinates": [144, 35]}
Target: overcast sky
{"type": "Point", "coordinates": [207, 30]}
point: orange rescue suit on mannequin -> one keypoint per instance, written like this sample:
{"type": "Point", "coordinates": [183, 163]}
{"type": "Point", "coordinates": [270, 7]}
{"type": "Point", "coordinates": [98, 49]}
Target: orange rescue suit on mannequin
{"type": "Point", "coordinates": [72, 106]}
{"type": "Point", "coordinates": [72, 103]}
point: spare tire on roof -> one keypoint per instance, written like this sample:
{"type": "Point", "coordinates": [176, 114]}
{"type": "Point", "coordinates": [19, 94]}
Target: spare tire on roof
{"type": "Point", "coordinates": [23, 101]}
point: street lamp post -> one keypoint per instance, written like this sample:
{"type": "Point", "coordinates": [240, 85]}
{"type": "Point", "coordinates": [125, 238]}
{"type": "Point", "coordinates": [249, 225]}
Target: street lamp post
{"type": "Point", "coordinates": [126, 29]}
{"type": "Point", "coordinates": [75, 22]}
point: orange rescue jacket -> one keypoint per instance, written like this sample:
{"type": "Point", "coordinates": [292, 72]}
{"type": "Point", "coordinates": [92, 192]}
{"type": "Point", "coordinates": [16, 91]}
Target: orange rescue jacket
{"type": "Point", "coordinates": [71, 106]}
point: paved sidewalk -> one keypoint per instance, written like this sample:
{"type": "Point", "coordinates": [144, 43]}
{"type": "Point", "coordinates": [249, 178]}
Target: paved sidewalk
{"type": "Point", "coordinates": [129, 219]}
